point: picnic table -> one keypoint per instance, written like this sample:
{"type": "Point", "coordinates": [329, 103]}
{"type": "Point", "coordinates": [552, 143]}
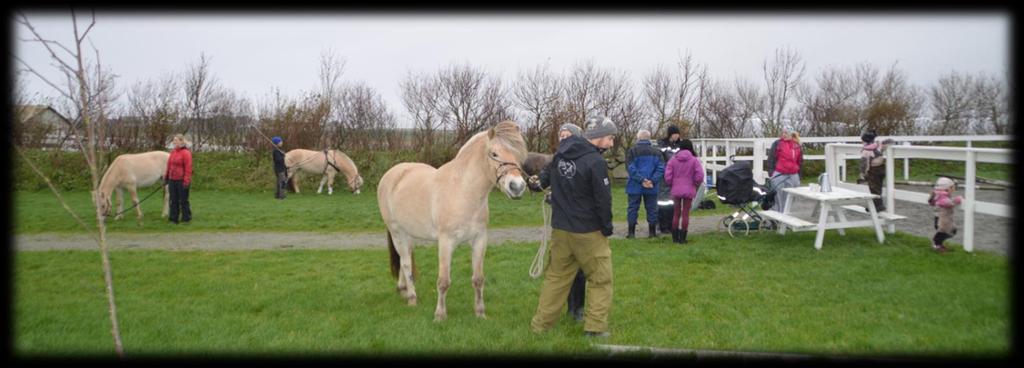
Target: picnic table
{"type": "Point", "coordinates": [830, 205]}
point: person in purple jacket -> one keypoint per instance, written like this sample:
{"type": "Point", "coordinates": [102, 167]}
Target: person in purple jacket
{"type": "Point", "coordinates": [683, 174]}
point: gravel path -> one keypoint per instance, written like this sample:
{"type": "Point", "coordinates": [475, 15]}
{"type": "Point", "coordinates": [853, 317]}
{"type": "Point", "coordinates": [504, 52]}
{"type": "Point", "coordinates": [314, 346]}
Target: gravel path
{"type": "Point", "coordinates": [992, 233]}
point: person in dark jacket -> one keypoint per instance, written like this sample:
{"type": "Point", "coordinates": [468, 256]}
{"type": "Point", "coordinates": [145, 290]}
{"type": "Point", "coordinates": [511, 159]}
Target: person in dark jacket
{"type": "Point", "coordinates": [646, 170]}
{"type": "Point", "coordinates": [673, 142]}
{"type": "Point", "coordinates": [178, 177]}
{"type": "Point", "coordinates": [872, 166]}
{"type": "Point", "coordinates": [581, 202]}
{"type": "Point", "coordinates": [280, 170]}
{"type": "Point", "coordinates": [578, 292]}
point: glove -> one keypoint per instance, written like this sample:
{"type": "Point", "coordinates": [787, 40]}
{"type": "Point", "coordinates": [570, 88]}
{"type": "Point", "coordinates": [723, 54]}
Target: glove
{"type": "Point", "coordinates": [607, 232]}
{"type": "Point", "coordinates": [958, 199]}
{"type": "Point", "coordinates": [533, 183]}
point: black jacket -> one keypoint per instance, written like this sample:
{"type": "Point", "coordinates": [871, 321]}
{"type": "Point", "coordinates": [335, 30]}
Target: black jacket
{"type": "Point", "coordinates": [279, 161]}
{"type": "Point", "coordinates": [581, 192]}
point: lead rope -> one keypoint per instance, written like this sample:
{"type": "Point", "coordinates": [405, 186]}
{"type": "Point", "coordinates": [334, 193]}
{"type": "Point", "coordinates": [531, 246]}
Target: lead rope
{"type": "Point", "coordinates": [537, 268]}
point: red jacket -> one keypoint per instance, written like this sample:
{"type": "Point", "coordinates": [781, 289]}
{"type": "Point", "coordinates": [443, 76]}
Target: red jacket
{"type": "Point", "coordinates": [179, 165]}
{"type": "Point", "coordinates": [788, 157]}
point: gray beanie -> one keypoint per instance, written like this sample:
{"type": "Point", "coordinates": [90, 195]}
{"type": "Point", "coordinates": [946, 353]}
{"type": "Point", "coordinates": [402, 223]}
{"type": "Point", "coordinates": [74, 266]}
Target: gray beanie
{"type": "Point", "coordinates": [572, 128]}
{"type": "Point", "coordinates": [598, 127]}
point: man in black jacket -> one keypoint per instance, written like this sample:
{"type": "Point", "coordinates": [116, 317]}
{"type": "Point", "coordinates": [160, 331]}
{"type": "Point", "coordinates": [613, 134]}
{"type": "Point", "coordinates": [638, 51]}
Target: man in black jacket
{"type": "Point", "coordinates": [581, 221]}
{"type": "Point", "coordinates": [280, 170]}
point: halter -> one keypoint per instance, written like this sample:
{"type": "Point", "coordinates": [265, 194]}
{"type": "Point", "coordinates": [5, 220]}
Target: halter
{"type": "Point", "coordinates": [499, 173]}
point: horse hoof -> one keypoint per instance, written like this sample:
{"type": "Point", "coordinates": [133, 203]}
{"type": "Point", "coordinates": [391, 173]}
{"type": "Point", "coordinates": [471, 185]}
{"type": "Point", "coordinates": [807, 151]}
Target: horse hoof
{"type": "Point", "coordinates": [440, 317]}
{"type": "Point", "coordinates": [411, 301]}
{"type": "Point", "coordinates": [481, 315]}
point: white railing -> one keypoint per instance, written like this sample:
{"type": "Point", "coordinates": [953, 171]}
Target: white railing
{"type": "Point", "coordinates": [715, 154]}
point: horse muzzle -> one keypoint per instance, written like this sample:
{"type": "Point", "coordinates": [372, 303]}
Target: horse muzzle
{"type": "Point", "coordinates": [515, 188]}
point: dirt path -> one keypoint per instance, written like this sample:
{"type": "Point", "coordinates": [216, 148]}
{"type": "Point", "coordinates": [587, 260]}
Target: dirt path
{"type": "Point", "coordinates": [992, 233]}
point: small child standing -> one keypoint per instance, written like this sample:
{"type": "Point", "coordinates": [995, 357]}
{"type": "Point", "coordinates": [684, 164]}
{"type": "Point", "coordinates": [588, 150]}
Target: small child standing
{"type": "Point", "coordinates": [941, 199]}
{"type": "Point", "coordinates": [872, 166]}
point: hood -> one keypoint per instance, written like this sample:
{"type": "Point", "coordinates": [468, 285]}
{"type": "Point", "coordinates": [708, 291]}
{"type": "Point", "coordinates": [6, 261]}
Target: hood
{"type": "Point", "coordinates": [683, 156]}
{"type": "Point", "coordinates": [672, 129]}
{"type": "Point", "coordinates": [575, 147]}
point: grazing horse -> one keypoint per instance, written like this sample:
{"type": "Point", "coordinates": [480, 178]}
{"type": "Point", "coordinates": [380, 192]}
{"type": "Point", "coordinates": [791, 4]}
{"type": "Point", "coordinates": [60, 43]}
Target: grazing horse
{"type": "Point", "coordinates": [327, 163]}
{"type": "Point", "coordinates": [449, 204]}
{"type": "Point", "coordinates": [132, 171]}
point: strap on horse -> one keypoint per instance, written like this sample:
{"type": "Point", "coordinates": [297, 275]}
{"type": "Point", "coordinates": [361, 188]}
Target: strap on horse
{"type": "Point", "coordinates": [327, 159]}
{"type": "Point", "coordinates": [140, 202]}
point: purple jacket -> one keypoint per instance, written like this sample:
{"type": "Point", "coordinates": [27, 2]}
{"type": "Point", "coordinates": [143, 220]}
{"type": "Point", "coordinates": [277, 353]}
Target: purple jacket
{"type": "Point", "coordinates": [683, 174]}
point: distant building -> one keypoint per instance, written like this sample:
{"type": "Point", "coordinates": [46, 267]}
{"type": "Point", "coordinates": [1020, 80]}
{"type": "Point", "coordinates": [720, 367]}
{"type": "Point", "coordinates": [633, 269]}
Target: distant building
{"type": "Point", "coordinates": [42, 126]}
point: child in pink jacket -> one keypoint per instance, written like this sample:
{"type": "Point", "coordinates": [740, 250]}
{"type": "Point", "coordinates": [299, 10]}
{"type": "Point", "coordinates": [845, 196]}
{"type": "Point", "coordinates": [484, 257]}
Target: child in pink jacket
{"type": "Point", "coordinates": [941, 198]}
{"type": "Point", "coordinates": [683, 174]}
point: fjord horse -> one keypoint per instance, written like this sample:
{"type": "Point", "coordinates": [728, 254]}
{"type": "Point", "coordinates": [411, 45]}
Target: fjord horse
{"type": "Point", "coordinates": [327, 164]}
{"type": "Point", "coordinates": [449, 204]}
{"type": "Point", "coordinates": [131, 171]}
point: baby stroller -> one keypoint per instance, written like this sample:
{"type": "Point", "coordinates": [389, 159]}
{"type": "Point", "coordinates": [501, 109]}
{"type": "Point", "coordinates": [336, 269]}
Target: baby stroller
{"type": "Point", "coordinates": [736, 187]}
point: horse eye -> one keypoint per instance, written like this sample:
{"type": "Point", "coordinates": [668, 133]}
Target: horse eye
{"type": "Point", "coordinates": [494, 154]}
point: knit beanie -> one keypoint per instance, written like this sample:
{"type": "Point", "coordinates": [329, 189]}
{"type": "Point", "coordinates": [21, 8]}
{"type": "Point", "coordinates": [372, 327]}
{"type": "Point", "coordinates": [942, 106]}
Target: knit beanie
{"type": "Point", "coordinates": [572, 128]}
{"type": "Point", "coordinates": [598, 127]}
{"type": "Point", "coordinates": [944, 183]}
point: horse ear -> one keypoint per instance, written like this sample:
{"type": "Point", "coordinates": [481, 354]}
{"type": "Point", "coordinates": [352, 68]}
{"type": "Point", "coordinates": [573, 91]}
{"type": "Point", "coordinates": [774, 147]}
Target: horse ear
{"type": "Point", "coordinates": [490, 133]}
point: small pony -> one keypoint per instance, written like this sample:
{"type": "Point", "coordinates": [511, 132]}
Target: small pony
{"type": "Point", "coordinates": [131, 171]}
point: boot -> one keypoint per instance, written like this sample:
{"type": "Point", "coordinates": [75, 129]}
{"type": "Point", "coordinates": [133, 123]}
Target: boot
{"type": "Point", "coordinates": [682, 236]}
{"type": "Point", "coordinates": [652, 231]}
{"type": "Point", "coordinates": [632, 231]}
{"type": "Point", "coordinates": [675, 236]}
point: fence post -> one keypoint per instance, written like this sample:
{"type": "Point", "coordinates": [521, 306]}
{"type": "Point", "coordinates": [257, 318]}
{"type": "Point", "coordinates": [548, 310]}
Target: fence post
{"type": "Point", "coordinates": [890, 185]}
{"type": "Point", "coordinates": [759, 157]}
{"type": "Point", "coordinates": [968, 204]}
{"type": "Point", "coordinates": [906, 164]}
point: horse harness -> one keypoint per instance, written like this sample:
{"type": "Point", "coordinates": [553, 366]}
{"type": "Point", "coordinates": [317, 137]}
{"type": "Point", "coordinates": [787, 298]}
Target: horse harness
{"type": "Point", "coordinates": [499, 173]}
{"type": "Point", "coordinates": [327, 159]}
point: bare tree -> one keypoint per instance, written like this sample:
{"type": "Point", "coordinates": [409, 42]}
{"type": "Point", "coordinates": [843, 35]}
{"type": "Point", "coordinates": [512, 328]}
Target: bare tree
{"type": "Point", "coordinates": [200, 88]}
{"type": "Point", "coordinates": [470, 100]}
{"type": "Point", "coordinates": [85, 85]}
{"type": "Point", "coordinates": [749, 101]}
{"type": "Point", "coordinates": [891, 104]}
{"type": "Point", "coordinates": [581, 90]}
{"type": "Point", "coordinates": [951, 100]}
{"type": "Point", "coordinates": [331, 69]}
{"type": "Point", "coordinates": [991, 104]}
{"type": "Point", "coordinates": [537, 93]}
{"type": "Point", "coordinates": [781, 77]}
{"type": "Point", "coordinates": [421, 96]}
{"type": "Point", "coordinates": [830, 108]}
{"type": "Point", "coordinates": [158, 110]}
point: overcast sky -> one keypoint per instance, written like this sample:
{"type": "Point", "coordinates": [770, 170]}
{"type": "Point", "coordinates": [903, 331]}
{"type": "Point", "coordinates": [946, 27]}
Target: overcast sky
{"type": "Point", "coordinates": [252, 53]}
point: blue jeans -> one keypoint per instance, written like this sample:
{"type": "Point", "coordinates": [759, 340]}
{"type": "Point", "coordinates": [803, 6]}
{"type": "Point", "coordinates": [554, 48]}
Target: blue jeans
{"type": "Point", "coordinates": [650, 203]}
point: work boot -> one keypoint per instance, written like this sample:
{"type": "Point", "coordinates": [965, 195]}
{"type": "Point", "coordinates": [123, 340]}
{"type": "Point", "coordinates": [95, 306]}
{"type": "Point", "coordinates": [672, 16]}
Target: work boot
{"type": "Point", "coordinates": [632, 231]}
{"type": "Point", "coordinates": [652, 230]}
{"type": "Point", "coordinates": [682, 236]}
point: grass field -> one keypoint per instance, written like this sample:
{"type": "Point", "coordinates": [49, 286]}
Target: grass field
{"type": "Point", "coordinates": [763, 293]}
{"type": "Point", "coordinates": [39, 211]}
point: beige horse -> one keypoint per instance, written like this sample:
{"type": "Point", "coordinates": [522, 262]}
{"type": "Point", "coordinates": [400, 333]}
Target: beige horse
{"type": "Point", "coordinates": [316, 162]}
{"type": "Point", "coordinates": [132, 171]}
{"type": "Point", "coordinates": [449, 204]}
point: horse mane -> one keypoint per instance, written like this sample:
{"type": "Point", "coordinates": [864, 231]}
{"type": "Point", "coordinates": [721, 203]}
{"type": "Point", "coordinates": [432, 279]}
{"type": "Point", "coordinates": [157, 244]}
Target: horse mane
{"type": "Point", "coordinates": [507, 133]}
{"type": "Point", "coordinates": [108, 176]}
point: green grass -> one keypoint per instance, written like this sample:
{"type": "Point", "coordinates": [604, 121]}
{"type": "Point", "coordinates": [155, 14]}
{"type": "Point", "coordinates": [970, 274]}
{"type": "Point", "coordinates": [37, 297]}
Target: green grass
{"type": "Point", "coordinates": [766, 293]}
{"type": "Point", "coordinates": [36, 212]}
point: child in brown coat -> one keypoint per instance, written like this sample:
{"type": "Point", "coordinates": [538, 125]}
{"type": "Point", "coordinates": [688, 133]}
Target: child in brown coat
{"type": "Point", "coordinates": [941, 198]}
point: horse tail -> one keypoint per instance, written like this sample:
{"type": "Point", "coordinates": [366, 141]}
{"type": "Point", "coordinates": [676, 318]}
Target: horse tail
{"type": "Point", "coordinates": [396, 264]}
{"type": "Point", "coordinates": [395, 259]}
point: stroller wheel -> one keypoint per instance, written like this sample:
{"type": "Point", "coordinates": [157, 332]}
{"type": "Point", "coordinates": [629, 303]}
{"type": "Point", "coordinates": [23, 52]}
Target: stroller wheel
{"type": "Point", "coordinates": [724, 224]}
{"type": "Point", "coordinates": [738, 226]}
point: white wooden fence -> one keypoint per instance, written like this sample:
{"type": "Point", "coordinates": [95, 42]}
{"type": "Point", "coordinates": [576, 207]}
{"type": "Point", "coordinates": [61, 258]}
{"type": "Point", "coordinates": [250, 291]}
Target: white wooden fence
{"type": "Point", "coordinates": [716, 154]}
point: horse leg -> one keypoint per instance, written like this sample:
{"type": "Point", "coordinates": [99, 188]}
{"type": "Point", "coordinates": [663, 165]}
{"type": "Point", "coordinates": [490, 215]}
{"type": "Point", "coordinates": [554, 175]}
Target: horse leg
{"type": "Point", "coordinates": [479, 248]}
{"type": "Point", "coordinates": [323, 180]}
{"type": "Point", "coordinates": [135, 200]}
{"type": "Point", "coordinates": [294, 177]}
{"type": "Point", "coordinates": [444, 260]}
{"type": "Point", "coordinates": [330, 183]}
{"type": "Point", "coordinates": [167, 200]}
{"type": "Point", "coordinates": [406, 284]}
{"type": "Point", "coordinates": [120, 204]}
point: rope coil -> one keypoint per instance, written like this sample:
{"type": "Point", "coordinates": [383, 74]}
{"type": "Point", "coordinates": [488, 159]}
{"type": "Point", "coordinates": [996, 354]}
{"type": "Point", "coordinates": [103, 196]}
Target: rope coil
{"type": "Point", "coordinates": [537, 267]}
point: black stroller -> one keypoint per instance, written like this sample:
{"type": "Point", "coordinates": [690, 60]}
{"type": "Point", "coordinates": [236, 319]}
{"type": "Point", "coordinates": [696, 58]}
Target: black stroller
{"type": "Point", "coordinates": [737, 188]}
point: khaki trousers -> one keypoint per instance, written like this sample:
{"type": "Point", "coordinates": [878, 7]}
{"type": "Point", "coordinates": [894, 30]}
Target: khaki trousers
{"type": "Point", "coordinates": [570, 252]}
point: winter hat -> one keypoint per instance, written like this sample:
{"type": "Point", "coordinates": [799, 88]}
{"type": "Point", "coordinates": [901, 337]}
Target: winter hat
{"type": "Point", "coordinates": [868, 137]}
{"type": "Point", "coordinates": [672, 129]}
{"type": "Point", "coordinates": [598, 127]}
{"type": "Point", "coordinates": [787, 129]}
{"type": "Point", "coordinates": [572, 128]}
{"type": "Point", "coordinates": [944, 183]}
{"type": "Point", "coordinates": [276, 140]}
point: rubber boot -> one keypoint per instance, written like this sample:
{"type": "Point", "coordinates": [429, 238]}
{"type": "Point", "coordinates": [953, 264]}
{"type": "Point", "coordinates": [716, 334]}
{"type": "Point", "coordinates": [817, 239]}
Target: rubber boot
{"type": "Point", "coordinates": [675, 236]}
{"type": "Point", "coordinates": [632, 231]}
{"type": "Point", "coordinates": [682, 236]}
{"type": "Point", "coordinates": [652, 230]}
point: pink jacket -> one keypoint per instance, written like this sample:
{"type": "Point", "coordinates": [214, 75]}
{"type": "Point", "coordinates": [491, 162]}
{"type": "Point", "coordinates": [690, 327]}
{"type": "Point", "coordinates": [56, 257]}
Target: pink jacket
{"type": "Point", "coordinates": [683, 174]}
{"type": "Point", "coordinates": [940, 198]}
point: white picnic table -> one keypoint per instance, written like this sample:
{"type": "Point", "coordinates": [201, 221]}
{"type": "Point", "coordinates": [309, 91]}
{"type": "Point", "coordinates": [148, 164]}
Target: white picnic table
{"type": "Point", "coordinates": [829, 207]}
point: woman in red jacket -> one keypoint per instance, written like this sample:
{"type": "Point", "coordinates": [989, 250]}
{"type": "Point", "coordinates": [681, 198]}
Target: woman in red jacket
{"type": "Point", "coordinates": [785, 162]}
{"type": "Point", "coordinates": [178, 178]}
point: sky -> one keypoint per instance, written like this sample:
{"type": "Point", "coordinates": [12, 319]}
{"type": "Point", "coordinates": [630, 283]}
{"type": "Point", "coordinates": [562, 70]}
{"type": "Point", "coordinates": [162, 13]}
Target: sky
{"type": "Point", "coordinates": [255, 52]}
